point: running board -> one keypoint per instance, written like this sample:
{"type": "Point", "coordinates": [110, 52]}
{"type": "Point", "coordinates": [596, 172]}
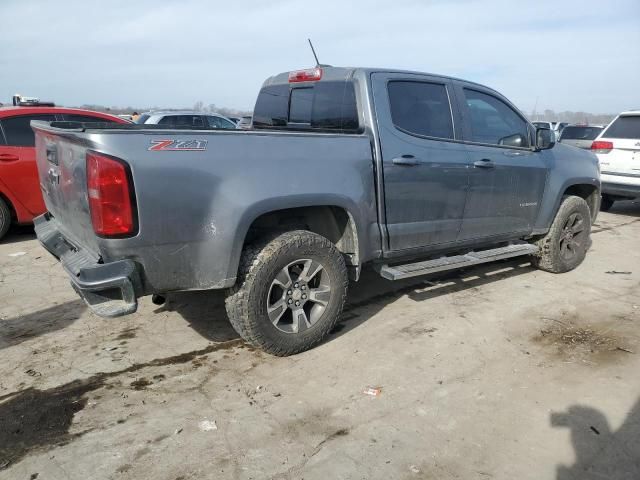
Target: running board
{"type": "Point", "coordinates": [399, 272]}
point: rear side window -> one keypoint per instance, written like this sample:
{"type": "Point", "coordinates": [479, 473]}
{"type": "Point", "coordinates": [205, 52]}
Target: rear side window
{"type": "Point", "coordinates": [421, 108]}
{"type": "Point", "coordinates": [627, 127]}
{"type": "Point", "coordinates": [142, 118]}
{"type": "Point", "coordinates": [492, 120]}
{"type": "Point", "coordinates": [219, 122]}
{"type": "Point", "coordinates": [580, 133]}
{"type": "Point", "coordinates": [86, 118]}
{"type": "Point", "coordinates": [324, 106]}
{"type": "Point", "coordinates": [182, 120]}
{"type": "Point", "coordinates": [18, 131]}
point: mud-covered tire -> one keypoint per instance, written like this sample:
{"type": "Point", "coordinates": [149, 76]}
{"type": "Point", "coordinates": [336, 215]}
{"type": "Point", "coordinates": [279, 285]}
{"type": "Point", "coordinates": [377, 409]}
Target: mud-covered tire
{"type": "Point", "coordinates": [261, 263]}
{"type": "Point", "coordinates": [606, 203]}
{"type": "Point", "coordinates": [5, 218]}
{"type": "Point", "coordinates": [553, 256]}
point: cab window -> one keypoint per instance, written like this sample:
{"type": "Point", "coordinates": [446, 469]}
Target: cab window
{"type": "Point", "coordinates": [492, 121]}
{"type": "Point", "coordinates": [325, 106]}
{"type": "Point", "coordinates": [421, 108]}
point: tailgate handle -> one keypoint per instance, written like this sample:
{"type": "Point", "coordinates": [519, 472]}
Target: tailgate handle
{"type": "Point", "coordinates": [54, 177]}
{"type": "Point", "coordinates": [8, 157]}
{"type": "Point", "coordinates": [484, 163]}
{"type": "Point", "coordinates": [52, 154]}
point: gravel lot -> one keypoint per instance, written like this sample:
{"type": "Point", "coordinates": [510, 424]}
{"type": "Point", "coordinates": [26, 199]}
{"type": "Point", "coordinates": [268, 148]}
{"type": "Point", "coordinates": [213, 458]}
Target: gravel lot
{"type": "Point", "coordinates": [498, 372]}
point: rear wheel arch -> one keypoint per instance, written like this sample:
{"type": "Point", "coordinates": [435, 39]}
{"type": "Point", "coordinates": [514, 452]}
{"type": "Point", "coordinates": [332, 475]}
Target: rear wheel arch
{"type": "Point", "coordinates": [335, 223]}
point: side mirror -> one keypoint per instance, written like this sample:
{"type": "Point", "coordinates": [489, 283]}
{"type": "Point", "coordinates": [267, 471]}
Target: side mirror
{"type": "Point", "coordinates": [515, 140]}
{"type": "Point", "coordinates": [545, 139]}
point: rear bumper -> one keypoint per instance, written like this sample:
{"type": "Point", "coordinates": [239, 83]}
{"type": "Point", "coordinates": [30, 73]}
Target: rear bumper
{"type": "Point", "coordinates": [109, 289]}
{"type": "Point", "coordinates": [621, 189]}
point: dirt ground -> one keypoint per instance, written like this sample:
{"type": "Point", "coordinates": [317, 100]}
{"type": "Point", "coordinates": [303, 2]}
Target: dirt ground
{"type": "Point", "coordinates": [497, 372]}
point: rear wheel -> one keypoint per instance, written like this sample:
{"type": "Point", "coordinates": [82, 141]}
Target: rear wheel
{"type": "Point", "coordinates": [5, 218]}
{"type": "Point", "coordinates": [606, 203]}
{"type": "Point", "coordinates": [290, 292]}
{"type": "Point", "coordinates": [565, 245]}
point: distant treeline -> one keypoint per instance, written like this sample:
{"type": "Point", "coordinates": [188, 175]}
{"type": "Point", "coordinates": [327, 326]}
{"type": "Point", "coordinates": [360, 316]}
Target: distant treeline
{"type": "Point", "coordinates": [573, 117]}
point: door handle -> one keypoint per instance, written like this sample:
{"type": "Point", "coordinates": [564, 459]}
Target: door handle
{"type": "Point", "coordinates": [408, 160]}
{"type": "Point", "coordinates": [484, 163]}
{"type": "Point", "coordinates": [8, 157]}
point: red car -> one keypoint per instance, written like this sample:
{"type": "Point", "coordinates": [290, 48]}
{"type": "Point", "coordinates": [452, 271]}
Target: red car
{"type": "Point", "coordinates": [20, 195]}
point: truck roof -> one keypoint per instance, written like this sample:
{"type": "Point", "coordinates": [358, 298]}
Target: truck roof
{"type": "Point", "coordinates": [345, 73]}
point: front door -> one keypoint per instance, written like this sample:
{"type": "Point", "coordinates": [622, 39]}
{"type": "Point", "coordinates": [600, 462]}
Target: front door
{"type": "Point", "coordinates": [424, 166]}
{"type": "Point", "coordinates": [18, 161]}
{"type": "Point", "coordinates": [506, 177]}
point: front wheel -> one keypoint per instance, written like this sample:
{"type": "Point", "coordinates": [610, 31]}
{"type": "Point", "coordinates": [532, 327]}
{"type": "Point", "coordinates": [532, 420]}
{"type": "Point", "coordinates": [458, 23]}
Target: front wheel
{"type": "Point", "coordinates": [290, 292]}
{"type": "Point", "coordinates": [565, 245]}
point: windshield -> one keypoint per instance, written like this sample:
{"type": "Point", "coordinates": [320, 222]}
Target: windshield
{"type": "Point", "coordinates": [580, 133]}
{"type": "Point", "coordinates": [627, 127]}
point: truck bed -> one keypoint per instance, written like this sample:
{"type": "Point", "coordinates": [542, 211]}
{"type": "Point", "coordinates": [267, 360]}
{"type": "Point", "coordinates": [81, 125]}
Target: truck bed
{"type": "Point", "coordinates": [198, 191]}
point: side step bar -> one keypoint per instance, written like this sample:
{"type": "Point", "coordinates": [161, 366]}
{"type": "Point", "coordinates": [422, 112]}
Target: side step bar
{"type": "Point", "coordinates": [399, 272]}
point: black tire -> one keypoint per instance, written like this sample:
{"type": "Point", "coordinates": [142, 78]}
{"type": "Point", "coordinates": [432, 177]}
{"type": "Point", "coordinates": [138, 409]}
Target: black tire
{"type": "Point", "coordinates": [561, 251]}
{"type": "Point", "coordinates": [261, 265]}
{"type": "Point", "coordinates": [5, 218]}
{"type": "Point", "coordinates": [606, 203]}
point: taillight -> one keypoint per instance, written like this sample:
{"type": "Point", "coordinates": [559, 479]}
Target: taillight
{"type": "Point", "coordinates": [110, 196]}
{"type": "Point", "coordinates": [309, 75]}
{"type": "Point", "coordinates": [601, 147]}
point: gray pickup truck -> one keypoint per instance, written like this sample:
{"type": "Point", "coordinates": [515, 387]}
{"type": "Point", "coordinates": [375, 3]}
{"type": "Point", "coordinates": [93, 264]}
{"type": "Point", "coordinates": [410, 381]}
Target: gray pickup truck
{"type": "Point", "coordinates": [411, 173]}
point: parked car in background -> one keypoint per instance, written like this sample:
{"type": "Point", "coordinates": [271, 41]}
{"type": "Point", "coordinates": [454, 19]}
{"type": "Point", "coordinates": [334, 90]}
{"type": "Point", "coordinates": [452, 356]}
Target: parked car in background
{"type": "Point", "coordinates": [618, 150]}
{"type": "Point", "coordinates": [581, 136]}
{"type": "Point", "coordinates": [20, 195]}
{"type": "Point", "coordinates": [245, 122]}
{"type": "Point", "coordinates": [559, 127]}
{"type": "Point", "coordinates": [446, 175]}
{"type": "Point", "coordinates": [186, 119]}
{"type": "Point", "coordinates": [548, 125]}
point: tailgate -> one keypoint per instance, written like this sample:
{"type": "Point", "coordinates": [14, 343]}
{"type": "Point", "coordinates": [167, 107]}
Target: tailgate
{"type": "Point", "coordinates": [624, 158]}
{"type": "Point", "coordinates": [63, 181]}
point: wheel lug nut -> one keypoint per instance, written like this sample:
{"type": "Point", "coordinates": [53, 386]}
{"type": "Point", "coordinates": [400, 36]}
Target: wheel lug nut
{"type": "Point", "coordinates": [304, 296]}
{"type": "Point", "coordinates": [289, 292]}
{"type": "Point", "coordinates": [290, 301]}
{"type": "Point", "coordinates": [297, 304]}
{"type": "Point", "coordinates": [303, 287]}
{"type": "Point", "coordinates": [296, 285]}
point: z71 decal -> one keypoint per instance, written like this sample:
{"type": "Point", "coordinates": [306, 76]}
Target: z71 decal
{"type": "Point", "coordinates": [177, 145]}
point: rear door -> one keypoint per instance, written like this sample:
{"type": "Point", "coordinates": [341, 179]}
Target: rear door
{"type": "Point", "coordinates": [507, 178]}
{"type": "Point", "coordinates": [18, 161]}
{"type": "Point", "coordinates": [424, 165]}
{"type": "Point", "coordinates": [624, 159]}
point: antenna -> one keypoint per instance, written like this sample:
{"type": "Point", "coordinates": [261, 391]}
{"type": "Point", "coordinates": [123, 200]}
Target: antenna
{"type": "Point", "coordinates": [313, 50]}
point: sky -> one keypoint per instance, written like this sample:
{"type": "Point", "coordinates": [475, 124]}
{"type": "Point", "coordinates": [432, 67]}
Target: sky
{"type": "Point", "coordinates": [559, 54]}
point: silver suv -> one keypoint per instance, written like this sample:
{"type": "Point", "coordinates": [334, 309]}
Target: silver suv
{"type": "Point", "coordinates": [186, 119]}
